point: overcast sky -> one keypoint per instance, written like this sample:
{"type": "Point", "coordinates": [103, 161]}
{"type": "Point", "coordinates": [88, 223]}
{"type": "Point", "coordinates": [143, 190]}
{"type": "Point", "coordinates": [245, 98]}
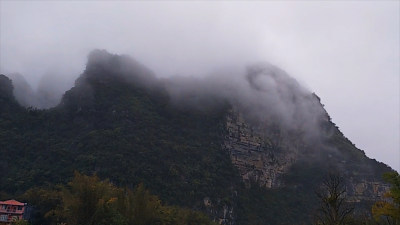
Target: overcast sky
{"type": "Point", "coordinates": [346, 52]}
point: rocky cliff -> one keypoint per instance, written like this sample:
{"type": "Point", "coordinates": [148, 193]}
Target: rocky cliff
{"type": "Point", "coordinates": [261, 157]}
{"type": "Point", "coordinates": [264, 154]}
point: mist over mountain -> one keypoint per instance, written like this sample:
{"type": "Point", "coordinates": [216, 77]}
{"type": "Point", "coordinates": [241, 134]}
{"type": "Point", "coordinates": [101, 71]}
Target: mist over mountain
{"type": "Point", "coordinates": [262, 91]}
{"type": "Point", "coordinates": [306, 39]}
{"type": "Point", "coordinates": [245, 146]}
{"type": "Point", "coordinates": [48, 94]}
{"type": "Point", "coordinates": [6, 87]}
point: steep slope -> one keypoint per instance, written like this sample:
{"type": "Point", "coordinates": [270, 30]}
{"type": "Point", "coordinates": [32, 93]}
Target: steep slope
{"type": "Point", "coordinates": [7, 99]}
{"type": "Point", "coordinates": [47, 95]}
{"type": "Point", "coordinates": [250, 157]}
{"type": "Point", "coordinates": [264, 153]}
{"type": "Point", "coordinates": [123, 129]}
{"type": "Point", "coordinates": [283, 171]}
{"type": "Point", "coordinates": [22, 90]}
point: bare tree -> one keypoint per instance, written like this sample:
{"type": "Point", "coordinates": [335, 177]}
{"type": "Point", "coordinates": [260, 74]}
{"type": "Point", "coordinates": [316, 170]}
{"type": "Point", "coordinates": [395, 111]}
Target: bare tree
{"type": "Point", "coordinates": [334, 209]}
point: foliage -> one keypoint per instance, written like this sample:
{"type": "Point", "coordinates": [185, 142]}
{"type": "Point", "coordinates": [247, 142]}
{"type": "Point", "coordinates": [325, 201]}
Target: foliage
{"type": "Point", "coordinates": [176, 153]}
{"type": "Point", "coordinates": [130, 135]}
{"type": "Point", "coordinates": [388, 211]}
{"type": "Point", "coordinates": [20, 222]}
{"type": "Point", "coordinates": [87, 200]}
{"type": "Point", "coordinates": [43, 200]}
{"type": "Point", "coordinates": [333, 209]}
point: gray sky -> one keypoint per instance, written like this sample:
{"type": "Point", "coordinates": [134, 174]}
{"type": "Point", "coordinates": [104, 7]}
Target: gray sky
{"type": "Point", "coordinates": [347, 52]}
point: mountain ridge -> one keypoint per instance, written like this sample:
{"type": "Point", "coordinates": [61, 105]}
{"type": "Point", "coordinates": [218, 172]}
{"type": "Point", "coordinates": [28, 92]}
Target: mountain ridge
{"type": "Point", "coordinates": [195, 143]}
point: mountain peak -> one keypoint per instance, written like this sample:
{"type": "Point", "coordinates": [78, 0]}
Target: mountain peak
{"type": "Point", "coordinates": [7, 100]}
{"type": "Point", "coordinates": [106, 71]}
{"type": "Point", "coordinates": [273, 133]}
{"type": "Point", "coordinates": [6, 87]}
{"type": "Point", "coordinates": [107, 66]}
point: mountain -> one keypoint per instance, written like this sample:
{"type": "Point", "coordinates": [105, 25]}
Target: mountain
{"type": "Point", "coordinates": [47, 95]}
{"type": "Point", "coordinates": [246, 148]}
{"type": "Point", "coordinates": [22, 90]}
{"type": "Point", "coordinates": [7, 100]}
{"type": "Point", "coordinates": [6, 88]}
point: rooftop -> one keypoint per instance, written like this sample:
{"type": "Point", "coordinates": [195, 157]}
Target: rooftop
{"type": "Point", "coordinates": [12, 202]}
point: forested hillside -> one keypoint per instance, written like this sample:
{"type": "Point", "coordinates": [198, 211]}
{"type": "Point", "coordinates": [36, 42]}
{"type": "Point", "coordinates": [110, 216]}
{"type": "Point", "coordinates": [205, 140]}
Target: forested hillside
{"type": "Point", "coordinates": [121, 123]}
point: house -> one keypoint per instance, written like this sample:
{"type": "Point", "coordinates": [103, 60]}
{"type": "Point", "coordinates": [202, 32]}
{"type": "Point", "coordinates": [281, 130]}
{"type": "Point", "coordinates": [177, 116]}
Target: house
{"type": "Point", "coordinates": [12, 210]}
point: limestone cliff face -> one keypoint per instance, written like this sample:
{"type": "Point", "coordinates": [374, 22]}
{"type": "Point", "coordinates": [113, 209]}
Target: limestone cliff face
{"type": "Point", "coordinates": [263, 153]}
{"type": "Point", "coordinates": [366, 190]}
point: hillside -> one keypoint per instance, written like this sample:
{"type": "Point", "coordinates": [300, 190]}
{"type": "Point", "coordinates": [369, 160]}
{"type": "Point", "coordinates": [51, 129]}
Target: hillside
{"type": "Point", "coordinates": [253, 158]}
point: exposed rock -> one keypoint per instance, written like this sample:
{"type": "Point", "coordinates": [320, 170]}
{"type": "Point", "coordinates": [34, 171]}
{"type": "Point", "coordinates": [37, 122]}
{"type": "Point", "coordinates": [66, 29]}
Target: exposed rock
{"type": "Point", "coordinates": [260, 153]}
{"type": "Point", "coordinates": [264, 153]}
{"type": "Point", "coordinates": [366, 190]}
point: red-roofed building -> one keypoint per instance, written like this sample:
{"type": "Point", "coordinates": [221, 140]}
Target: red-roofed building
{"type": "Point", "coordinates": [11, 210]}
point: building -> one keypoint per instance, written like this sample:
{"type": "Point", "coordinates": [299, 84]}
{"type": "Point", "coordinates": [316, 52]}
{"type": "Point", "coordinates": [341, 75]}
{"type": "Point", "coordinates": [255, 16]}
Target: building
{"type": "Point", "coordinates": [12, 210]}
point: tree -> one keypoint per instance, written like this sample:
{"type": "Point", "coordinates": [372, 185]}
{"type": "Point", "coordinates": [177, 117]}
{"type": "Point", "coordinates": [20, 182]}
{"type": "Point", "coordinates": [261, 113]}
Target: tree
{"type": "Point", "coordinates": [20, 222]}
{"type": "Point", "coordinates": [140, 207]}
{"type": "Point", "coordinates": [87, 200]}
{"type": "Point", "coordinates": [388, 211]}
{"type": "Point", "coordinates": [334, 209]}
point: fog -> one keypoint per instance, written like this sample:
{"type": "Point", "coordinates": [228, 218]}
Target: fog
{"type": "Point", "coordinates": [346, 52]}
{"type": "Point", "coordinates": [264, 95]}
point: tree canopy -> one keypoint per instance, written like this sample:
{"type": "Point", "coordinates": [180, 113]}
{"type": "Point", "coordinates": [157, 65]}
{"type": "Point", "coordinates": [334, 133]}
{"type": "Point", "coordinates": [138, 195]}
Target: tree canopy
{"type": "Point", "coordinates": [388, 210]}
{"type": "Point", "coordinates": [87, 200]}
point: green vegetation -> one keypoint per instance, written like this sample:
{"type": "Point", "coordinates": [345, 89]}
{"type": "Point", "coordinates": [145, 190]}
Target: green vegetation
{"type": "Point", "coordinates": [388, 211]}
{"type": "Point", "coordinates": [87, 200]}
{"type": "Point", "coordinates": [132, 137]}
{"type": "Point", "coordinates": [21, 222]}
{"type": "Point", "coordinates": [334, 209]}
{"type": "Point", "coordinates": [128, 135]}
{"type": "Point", "coordinates": [119, 132]}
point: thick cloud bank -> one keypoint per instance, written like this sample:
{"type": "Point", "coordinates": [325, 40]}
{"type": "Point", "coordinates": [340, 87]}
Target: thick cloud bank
{"type": "Point", "coordinates": [263, 93]}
